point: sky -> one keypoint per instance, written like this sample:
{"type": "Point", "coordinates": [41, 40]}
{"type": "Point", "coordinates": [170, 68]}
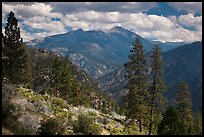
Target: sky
{"type": "Point", "coordinates": [37, 20]}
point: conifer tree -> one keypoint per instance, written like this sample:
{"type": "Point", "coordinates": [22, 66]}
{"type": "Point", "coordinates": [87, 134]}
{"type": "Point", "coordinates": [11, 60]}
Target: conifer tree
{"type": "Point", "coordinates": [14, 59]}
{"type": "Point", "coordinates": [197, 124]}
{"type": "Point", "coordinates": [62, 79]}
{"type": "Point", "coordinates": [184, 105]}
{"type": "Point", "coordinates": [75, 95]}
{"type": "Point", "coordinates": [137, 83]}
{"type": "Point", "coordinates": [157, 86]}
{"type": "Point", "coordinates": [170, 124]}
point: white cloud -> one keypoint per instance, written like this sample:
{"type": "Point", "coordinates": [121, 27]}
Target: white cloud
{"type": "Point", "coordinates": [148, 26]}
{"type": "Point", "coordinates": [29, 11]}
{"type": "Point", "coordinates": [45, 23]}
{"type": "Point", "coordinates": [124, 7]}
{"type": "Point", "coordinates": [191, 20]}
{"type": "Point", "coordinates": [173, 19]}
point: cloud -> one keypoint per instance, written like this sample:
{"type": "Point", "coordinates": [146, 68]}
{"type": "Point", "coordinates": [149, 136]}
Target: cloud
{"type": "Point", "coordinates": [148, 26]}
{"type": "Point", "coordinates": [30, 15]}
{"type": "Point", "coordinates": [129, 7]}
{"type": "Point", "coordinates": [191, 20]}
{"type": "Point", "coordinates": [100, 16]}
{"type": "Point", "coordinates": [30, 10]}
{"type": "Point", "coordinates": [45, 23]}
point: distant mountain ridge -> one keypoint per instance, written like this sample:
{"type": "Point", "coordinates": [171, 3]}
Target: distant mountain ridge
{"type": "Point", "coordinates": [164, 9]}
{"type": "Point", "coordinates": [96, 52]}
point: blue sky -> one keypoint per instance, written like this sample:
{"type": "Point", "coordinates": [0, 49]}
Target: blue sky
{"type": "Point", "coordinates": [170, 21]}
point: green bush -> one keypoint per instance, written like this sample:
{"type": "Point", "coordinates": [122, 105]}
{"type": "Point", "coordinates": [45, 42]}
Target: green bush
{"type": "Point", "coordinates": [86, 126]}
{"type": "Point", "coordinates": [83, 124]}
{"type": "Point", "coordinates": [28, 86]}
{"type": "Point", "coordinates": [8, 115]}
{"type": "Point", "coordinates": [11, 112]}
{"type": "Point", "coordinates": [35, 99]}
{"type": "Point", "coordinates": [56, 108]}
{"type": "Point", "coordinates": [8, 109]}
{"type": "Point", "coordinates": [131, 129]}
{"type": "Point", "coordinates": [92, 113]}
{"type": "Point", "coordinates": [95, 129]}
{"type": "Point", "coordinates": [43, 91]}
{"type": "Point", "coordinates": [58, 102]}
{"type": "Point", "coordinates": [116, 131]}
{"type": "Point", "coordinates": [21, 130]}
{"type": "Point", "coordinates": [52, 126]}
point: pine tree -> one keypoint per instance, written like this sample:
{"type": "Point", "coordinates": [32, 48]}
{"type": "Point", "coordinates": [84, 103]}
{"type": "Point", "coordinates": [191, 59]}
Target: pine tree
{"type": "Point", "coordinates": [76, 97]}
{"type": "Point", "coordinates": [157, 86]}
{"type": "Point", "coordinates": [184, 105]}
{"type": "Point", "coordinates": [137, 79]}
{"type": "Point", "coordinates": [197, 124]}
{"type": "Point", "coordinates": [62, 79]}
{"type": "Point", "coordinates": [14, 59]}
{"type": "Point", "coordinates": [41, 74]}
{"type": "Point", "coordinates": [170, 124]}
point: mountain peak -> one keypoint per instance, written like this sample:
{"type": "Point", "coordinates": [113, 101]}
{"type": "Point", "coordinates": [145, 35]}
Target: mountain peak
{"type": "Point", "coordinates": [118, 29]}
{"type": "Point", "coordinates": [80, 30]}
{"type": "Point", "coordinates": [163, 8]}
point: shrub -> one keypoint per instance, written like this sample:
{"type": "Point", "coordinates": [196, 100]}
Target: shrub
{"type": "Point", "coordinates": [34, 99]}
{"type": "Point", "coordinates": [116, 131]}
{"type": "Point", "coordinates": [8, 91]}
{"type": "Point", "coordinates": [131, 129]}
{"type": "Point", "coordinates": [8, 115]}
{"type": "Point", "coordinates": [11, 112]}
{"type": "Point", "coordinates": [86, 126]}
{"type": "Point", "coordinates": [92, 113]}
{"type": "Point", "coordinates": [82, 125]}
{"type": "Point", "coordinates": [18, 129]}
{"type": "Point", "coordinates": [95, 129]}
{"type": "Point", "coordinates": [28, 86]}
{"type": "Point", "coordinates": [58, 102]}
{"type": "Point", "coordinates": [52, 126]}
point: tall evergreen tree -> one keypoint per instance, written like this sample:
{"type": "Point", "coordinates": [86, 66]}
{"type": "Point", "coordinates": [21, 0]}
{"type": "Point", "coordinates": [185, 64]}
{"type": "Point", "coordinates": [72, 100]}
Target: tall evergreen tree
{"type": "Point", "coordinates": [157, 86]}
{"type": "Point", "coordinates": [14, 59]}
{"type": "Point", "coordinates": [137, 80]}
{"type": "Point", "coordinates": [75, 95]}
{"type": "Point", "coordinates": [170, 124]}
{"type": "Point", "coordinates": [184, 105]}
{"type": "Point", "coordinates": [62, 79]}
{"type": "Point", "coordinates": [197, 124]}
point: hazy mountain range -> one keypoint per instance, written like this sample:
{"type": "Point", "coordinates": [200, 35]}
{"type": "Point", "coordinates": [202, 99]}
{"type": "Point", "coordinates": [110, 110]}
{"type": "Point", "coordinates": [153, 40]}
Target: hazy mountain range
{"type": "Point", "coordinates": [165, 9]}
{"type": "Point", "coordinates": [97, 52]}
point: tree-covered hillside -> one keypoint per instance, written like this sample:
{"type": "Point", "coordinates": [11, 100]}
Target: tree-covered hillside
{"type": "Point", "coordinates": [182, 63]}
